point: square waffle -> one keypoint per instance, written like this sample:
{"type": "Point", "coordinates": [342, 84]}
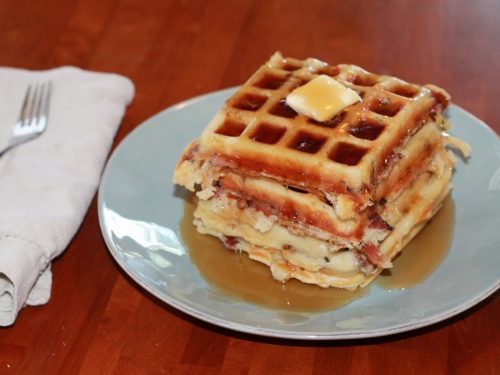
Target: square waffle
{"type": "Point", "coordinates": [260, 133]}
{"type": "Point", "coordinates": [328, 203]}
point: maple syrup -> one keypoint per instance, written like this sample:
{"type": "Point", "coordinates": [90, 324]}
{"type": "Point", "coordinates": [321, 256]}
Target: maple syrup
{"type": "Point", "coordinates": [250, 102]}
{"type": "Point", "coordinates": [268, 133]}
{"type": "Point", "coordinates": [236, 275]}
{"type": "Point", "coordinates": [270, 82]}
{"type": "Point", "coordinates": [424, 253]}
{"type": "Point", "coordinates": [347, 153]}
{"type": "Point", "coordinates": [366, 129]}
{"type": "Point", "coordinates": [282, 109]}
{"type": "Point", "coordinates": [307, 142]}
{"type": "Point", "coordinates": [385, 107]}
{"type": "Point", "coordinates": [231, 128]}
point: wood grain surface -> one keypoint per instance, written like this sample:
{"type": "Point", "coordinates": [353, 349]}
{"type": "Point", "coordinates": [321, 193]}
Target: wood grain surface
{"type": "Point", "coordinates": [98, 321]}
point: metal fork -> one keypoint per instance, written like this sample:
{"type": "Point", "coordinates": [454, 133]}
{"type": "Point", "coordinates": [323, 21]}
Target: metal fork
{"type": "Point", "coordinates": [33, 117]}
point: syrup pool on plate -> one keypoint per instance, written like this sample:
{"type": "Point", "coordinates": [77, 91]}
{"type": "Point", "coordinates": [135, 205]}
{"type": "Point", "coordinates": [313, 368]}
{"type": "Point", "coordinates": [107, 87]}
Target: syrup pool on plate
{"type": "Point", "coordinates": [236, 275]}
{"type": "Point", "coordinates": [424, 253]}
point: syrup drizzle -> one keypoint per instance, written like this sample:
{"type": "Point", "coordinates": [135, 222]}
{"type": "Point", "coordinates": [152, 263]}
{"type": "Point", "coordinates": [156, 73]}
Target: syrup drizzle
{"type": "Point", "coordinates": [424, 253]}
{"type": "Point", "coordinates": [239, 277]}
{"type": "Point", "coordinates": [268, 133]}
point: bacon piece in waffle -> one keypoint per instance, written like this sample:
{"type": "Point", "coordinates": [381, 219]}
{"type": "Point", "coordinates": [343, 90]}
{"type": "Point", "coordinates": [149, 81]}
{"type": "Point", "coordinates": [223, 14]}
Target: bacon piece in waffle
{"type": "Point", "coordinates": [328, 203]}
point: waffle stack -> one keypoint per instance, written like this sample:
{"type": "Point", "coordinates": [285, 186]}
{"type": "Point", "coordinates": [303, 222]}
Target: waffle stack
{"type": "Point", "coordinates": [328, 203]}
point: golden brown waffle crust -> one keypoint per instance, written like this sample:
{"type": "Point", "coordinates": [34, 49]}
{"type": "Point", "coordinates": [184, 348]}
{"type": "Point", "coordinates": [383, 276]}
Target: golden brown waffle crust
{"type": "Point", "coordinates": [256, 133]}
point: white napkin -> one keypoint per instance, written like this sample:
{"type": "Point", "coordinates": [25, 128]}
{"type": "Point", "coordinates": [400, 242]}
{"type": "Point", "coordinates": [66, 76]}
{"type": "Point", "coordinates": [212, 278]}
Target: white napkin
{"type": "Point", "coordinates": [46, 185]}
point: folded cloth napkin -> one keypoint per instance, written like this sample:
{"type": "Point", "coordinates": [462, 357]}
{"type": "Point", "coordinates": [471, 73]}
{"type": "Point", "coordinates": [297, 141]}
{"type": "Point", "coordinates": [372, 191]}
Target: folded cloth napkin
{"type": "Point", "coordinates": [46, 185]}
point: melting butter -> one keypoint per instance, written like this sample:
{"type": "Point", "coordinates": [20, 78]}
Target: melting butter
{"type": "Point", "coordinates": [322, 98]}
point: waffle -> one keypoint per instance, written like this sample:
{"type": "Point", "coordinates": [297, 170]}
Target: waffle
{"type": "Point", "coordinates": [329, 203]}
{"type": "Point", "coordinates": [258, 133]}
{"type": "Point", "coordinates": [310, 256]}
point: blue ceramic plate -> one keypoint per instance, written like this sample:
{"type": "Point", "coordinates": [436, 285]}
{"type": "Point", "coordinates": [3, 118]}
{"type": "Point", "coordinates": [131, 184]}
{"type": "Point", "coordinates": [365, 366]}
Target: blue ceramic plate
{"type": "Point", "coordinates": [140, 211]}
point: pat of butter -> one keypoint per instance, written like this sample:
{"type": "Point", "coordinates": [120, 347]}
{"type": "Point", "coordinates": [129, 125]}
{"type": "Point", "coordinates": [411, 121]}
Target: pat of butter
{"type": "Point", "coordinates": [322, 98]}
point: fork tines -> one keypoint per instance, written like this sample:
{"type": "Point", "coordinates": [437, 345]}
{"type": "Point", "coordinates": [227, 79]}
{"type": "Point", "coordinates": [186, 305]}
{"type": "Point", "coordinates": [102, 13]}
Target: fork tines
{"type": "Point", "coordinates": [35, 107]}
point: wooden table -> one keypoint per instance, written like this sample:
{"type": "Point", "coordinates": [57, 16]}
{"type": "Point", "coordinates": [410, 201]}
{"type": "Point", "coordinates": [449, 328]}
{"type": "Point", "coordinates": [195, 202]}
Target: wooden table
{"type": "Point", "coordinates": [98, 321]}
